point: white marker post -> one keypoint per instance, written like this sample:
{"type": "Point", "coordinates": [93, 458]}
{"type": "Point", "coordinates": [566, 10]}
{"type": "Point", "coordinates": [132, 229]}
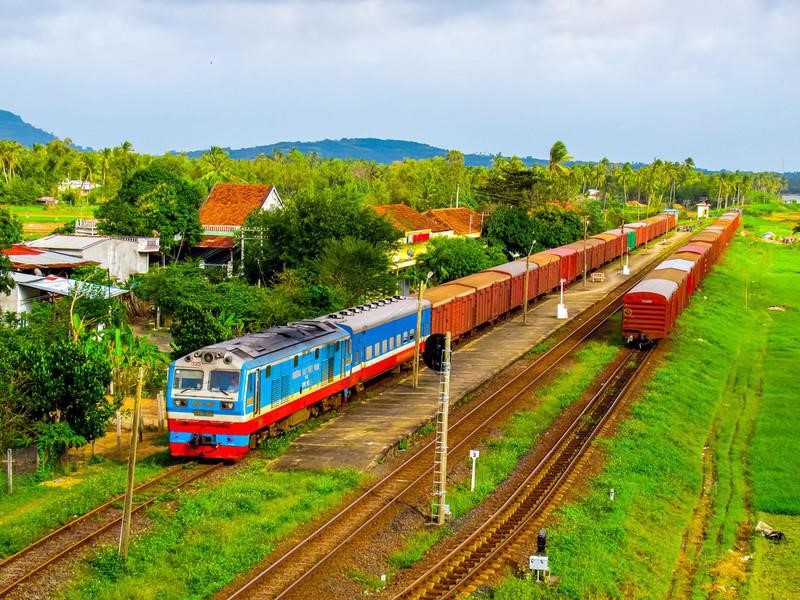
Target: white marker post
{"type": "Point", "coordinates": [561, 311]}
{"type": "Point", "coordinates": [473, 454]}
{"type": "Point", "coordinates": [626, 270]}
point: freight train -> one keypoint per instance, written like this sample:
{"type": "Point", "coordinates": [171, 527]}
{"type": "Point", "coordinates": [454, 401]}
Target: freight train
{"type": "Point", "coordinates": [222, 399]}
{"type": "Point", "coordinates": [652, 306]}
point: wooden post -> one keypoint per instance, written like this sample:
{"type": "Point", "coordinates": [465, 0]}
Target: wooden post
{"type": "Point", "coordinates": [527, 277]}
{"type": "Point", "coordinates": [160, 409]}
{"type": "Point", "coordinates": [125, 532]}
{"type": "Point", "coordinates": [119, 431]}
{"type": "Point", "coordinates": [417, 336]}
{"type": "Point", "coordinates": [525, 291]}
{"type": "Point", "coordinates": [10, 471]}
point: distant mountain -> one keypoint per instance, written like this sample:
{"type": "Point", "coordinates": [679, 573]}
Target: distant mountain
{"type": "Point", "coordinates": [12, 127]}
{"type": "Point", "coordinates": [372, 149]}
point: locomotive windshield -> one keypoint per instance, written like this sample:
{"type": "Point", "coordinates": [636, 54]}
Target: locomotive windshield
{"type": "Point", "coordinates": [187, 379]}
{"type": "Point", "coordinates": [224, 381]}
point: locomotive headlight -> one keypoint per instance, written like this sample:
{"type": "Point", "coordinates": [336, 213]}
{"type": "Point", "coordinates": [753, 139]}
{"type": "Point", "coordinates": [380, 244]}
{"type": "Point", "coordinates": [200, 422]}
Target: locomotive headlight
{"type": "Point", "coordinates": [180, 402]}
{"type": "Point", "coordinates": [227, 405]}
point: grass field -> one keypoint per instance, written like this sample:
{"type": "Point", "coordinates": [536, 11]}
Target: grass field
{"type": "Point", "coordinates": [200, 544]}
{"type": "Point", "coordinates": [726, 385]}
{"type": "Point", "coordinates": [38, 220]}
{"type": "Point", "coordinates": [38, 506]}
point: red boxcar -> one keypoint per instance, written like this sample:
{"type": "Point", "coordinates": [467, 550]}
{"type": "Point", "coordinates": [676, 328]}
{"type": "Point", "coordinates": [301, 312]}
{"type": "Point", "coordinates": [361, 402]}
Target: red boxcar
{"type": "Point", "coordinates": [516, 270]}
{"type": "Point", "coordinates": [681, 264]}
{"type": "Point", "coordinates": [452, 309]}
{"type": "Point", "coordinates": [492, 294]}
{"type": "Point", "coordinates": [549, 271]}
{"type": "Point", "coordinates": [697, 249]}
{"type": "Point", "coordinates": [612, 245]}
{"type": "Point", "coordinates": [569, 262]}
{"type": "Point", "coordinates": [641, 232]}
{"type": "Point", "coordinates": [649, 309]}
{"type": "Point", "coordinates": [597, 253]}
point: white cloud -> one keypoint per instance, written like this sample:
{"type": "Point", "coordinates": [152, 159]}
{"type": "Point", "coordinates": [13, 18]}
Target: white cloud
{"type": "Point", "coordinates": [629, 80]}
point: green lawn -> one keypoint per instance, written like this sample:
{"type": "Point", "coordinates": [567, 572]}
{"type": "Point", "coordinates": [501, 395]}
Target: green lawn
{"type": "Point", "coordinates": [38, 506]}
{"type": "Point", "coordinates": [200, 544]}
{"type": "Point", "coordinates": [709, 391]}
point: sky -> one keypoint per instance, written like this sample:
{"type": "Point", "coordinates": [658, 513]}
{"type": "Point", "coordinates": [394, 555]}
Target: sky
{"type": "Point", "coordinates": [628, 80]}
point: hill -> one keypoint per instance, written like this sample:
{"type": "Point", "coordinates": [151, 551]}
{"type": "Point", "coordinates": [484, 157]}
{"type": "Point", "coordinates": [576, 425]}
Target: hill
{"type": "Point", "coordinates": [12, 127]}
{"type": "Point", "coordinates": [372, 149]}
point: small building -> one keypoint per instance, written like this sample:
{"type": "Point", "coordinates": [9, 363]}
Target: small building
{"type": "Point", "coordinates": [463, 221]}
{"type": "Point", "coordinates": [224, 213]}
{"type": "Point", "coordinates": [417, 230]}
{"type": "Point", "coordinates": [29, 289]}
{"type": "Point", "coordinates": [120, 256]}
{"type": "Point", "coordinates": [790, 198]}
{"type": "Point", "coordinates": [82, 186]}
{"type": "Point", "coordinates": [47, 200]}
{"type": "Point", "coordinates": [702, 209]}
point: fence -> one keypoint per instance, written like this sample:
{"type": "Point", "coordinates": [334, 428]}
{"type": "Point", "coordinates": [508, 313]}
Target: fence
{"type": "Point", "coordinates": [18, 462]}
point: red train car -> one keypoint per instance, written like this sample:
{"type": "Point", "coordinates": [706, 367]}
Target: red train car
{"type": "Point", "coordinates": [569, 262]}
{"type": "Point", "coordinates": [612, 245]}
{"type": "Point", "coordinates": [549, 271]}
{"type": "Point", "coordinates": [516, 271]}
{"type": "Point", "coordinates": [492, 294]}
{"type": "Point", "coordinates": [649, 310]}
{"type": "Point", "coordinates": [452, 309]}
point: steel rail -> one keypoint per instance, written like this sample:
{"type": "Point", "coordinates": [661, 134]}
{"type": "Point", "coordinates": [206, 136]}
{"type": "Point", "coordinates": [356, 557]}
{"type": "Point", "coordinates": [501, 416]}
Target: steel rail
{"type": "Point", "coordinates": [564, 446]}
{"type": "Point", "coordinates": [80, 519]}
{"type": "Point", "coordinates": [105, 527]}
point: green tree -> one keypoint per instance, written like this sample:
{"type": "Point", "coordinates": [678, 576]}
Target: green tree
{"type": "Point", "coordinates": [358, 268]}
{"type": "Point", "coordinates": [10, 233]}
{"type": "Point", "coordinates": [194, 327]}
{"type": "Point", "coordinates": [554, 226]}
{"type": "Point", "coordinates": [450, 258]}
{"type": "Point", "coordinates": [558, 156]}
{"type": "Point", "coordinates": [295, 235]}
{"type": "Point", "coordinates": [155, 201]}
{"type": "Point", "coordinates": [510, 228]}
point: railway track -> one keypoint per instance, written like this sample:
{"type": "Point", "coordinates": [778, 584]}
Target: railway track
{"type": "Point", "coordinates": [283, 575]}
{"type": "Point", "coordinates": [33, 560]}
{"type": "Point", "coordinates": [481, 554]}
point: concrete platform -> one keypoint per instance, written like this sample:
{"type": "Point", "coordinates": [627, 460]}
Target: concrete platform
{"type": "Point", "coordinates": [362, 434]}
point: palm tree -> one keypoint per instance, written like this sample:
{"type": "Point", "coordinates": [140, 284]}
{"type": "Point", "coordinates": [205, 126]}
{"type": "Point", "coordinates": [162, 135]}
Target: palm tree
{"type": "Point", "coordinates": [216, 164]}
{"type": "Point", "coordinates": [105, 161]}
{"type": "Point", "coordinates": [10, 152]}
{"type": "Point", "coordinates": [625, 175]}
{"type": "Point", "coordinates": [558, 155]}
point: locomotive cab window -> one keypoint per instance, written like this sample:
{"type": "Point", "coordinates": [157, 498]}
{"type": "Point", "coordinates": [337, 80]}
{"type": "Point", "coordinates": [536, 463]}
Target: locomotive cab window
{"type": "Point", "coordinates": [187, 379]}
{"type": "Point", "coordinates": [224, 381]}
{"type": "Point", "coordinates": [405, 337]}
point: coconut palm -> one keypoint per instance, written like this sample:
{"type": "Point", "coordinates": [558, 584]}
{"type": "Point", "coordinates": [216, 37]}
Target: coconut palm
{"type": "Point", "coordinates": [558, 155]}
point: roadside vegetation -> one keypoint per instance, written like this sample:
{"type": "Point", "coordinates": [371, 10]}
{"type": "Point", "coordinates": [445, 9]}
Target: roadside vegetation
{"type": "Point", "coordinates": [725, 386]}
{"type": "Point", "coordinates": [201, 539]}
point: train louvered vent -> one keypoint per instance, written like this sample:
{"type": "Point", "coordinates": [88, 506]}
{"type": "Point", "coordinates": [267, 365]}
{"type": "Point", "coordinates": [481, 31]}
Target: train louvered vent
{"type": "Point", "coordinates": [284, 386]}
{"type": "Point", "coordinates": [276, 390]}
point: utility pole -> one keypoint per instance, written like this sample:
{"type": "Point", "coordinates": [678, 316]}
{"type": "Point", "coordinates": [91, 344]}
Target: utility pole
{"type": "Point", "coordinates": [585, 233]}
{"type": "Point", "coordinates": [525, 291]}
{"type": "Point", "coordinates": [241, 248]}
{"type": "Point", "coordinates": [458, 190]}
{"type": "Point", "coordinates": [9, 471]}
{"type": "Point", "coordinates": [440, 456]}
{"type": "Point", "coordinates": [125, 531]}
{"type": "Point", "coordinates": [418, 333]}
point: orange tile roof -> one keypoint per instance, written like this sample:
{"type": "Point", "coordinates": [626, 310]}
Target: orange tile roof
{"type": "Point", "coordinates": [216, 241]}
{"type": "Point", "coordinates": [231, 203]}
{"type": "Point", "coordinates": [405, 218]}
{"type": "Point", "coordinates": [461, 220]}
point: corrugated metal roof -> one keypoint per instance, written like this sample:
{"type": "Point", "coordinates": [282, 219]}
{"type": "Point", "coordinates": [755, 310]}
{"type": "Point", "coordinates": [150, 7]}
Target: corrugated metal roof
{"type": "Point", "coordinates": [65, 287]}
{"type": "Point", "coordinates": [696, 248]}
{"type": "Point", "coordinates": [676, 263]}
{"type": "Point", "coordinates": [67, 242]}
{"type": "Point", "coordinates": [562, 251]}
{"type": "Point", "coordinates": [661, 287]}
{"type": "Point", "coordinates": [369, 315]}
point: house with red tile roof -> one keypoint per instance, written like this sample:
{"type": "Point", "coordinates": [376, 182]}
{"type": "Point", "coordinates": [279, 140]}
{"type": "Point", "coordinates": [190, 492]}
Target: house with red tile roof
{"type": "Point", "coordinates": [224, 213]}
{"type": "Point", "coordinates": [229, 204]}
{"type": "Point", "coordinates": [463, 221]}
{"type": "Point", "coordinates": [417, 230]}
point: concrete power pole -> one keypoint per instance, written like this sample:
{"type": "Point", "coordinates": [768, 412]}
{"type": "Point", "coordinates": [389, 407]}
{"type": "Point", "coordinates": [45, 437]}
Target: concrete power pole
{"type": "Point", "coordinates": [585, 233]}
{"type": "Point", "coordinates": [440, 457]}
{"type": "Point", "coordinates": [525, 291]}
{"type": "Point", "coordinates": [125, 531]}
